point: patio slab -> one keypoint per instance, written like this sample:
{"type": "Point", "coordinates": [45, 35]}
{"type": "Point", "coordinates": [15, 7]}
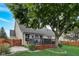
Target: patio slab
{"type": "Point", "coordinates": [17, 49]}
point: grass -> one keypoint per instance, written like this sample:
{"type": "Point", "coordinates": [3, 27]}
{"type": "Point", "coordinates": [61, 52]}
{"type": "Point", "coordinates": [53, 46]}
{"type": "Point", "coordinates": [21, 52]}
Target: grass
{"type": "Point", "coordinates": [64, 51]}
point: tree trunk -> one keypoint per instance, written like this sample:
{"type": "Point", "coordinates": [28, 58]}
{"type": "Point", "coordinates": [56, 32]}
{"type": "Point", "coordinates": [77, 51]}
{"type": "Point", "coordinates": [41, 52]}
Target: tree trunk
{"type": "Point", "coordinates": [56, 41]}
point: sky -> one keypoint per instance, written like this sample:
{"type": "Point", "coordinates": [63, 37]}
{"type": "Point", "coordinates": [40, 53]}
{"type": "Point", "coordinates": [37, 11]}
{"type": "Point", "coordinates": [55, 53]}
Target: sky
{"type": "Point", "coordinates": [6, 18]}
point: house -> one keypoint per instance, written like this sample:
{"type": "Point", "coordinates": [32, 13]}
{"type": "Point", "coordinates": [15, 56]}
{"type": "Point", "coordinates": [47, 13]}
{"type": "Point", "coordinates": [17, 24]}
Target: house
{"type": "Point", "coordinates": [33, 36]}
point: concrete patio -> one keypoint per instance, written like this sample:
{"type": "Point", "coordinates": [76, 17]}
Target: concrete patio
{"type": "Point", "coordinates": [17, 49]}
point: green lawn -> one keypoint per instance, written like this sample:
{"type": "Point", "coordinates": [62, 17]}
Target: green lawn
{"type": "Point", "coordinates": [64, 51]}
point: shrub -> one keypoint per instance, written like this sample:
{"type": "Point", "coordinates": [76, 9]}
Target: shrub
{"type": "Point", "coordinates": [25, 46]}
{"type": "Point", "coordinates": [4, 48]}
{"type": "Point", "coordinates": [31, 47]}
{"type": "Point", "coordinates": [60, 45]}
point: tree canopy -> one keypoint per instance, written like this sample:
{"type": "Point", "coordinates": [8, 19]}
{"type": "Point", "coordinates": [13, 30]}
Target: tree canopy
{"type": "Point", "coordinates": [60, 17]}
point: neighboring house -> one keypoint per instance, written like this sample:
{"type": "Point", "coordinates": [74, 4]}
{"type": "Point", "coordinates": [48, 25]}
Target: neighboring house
{"type": "Point", "coordinates": [12, 34]}
{"type": "Point", "coordinates": [72, 36]}
{"type": "Point", "coordinates": [32, 36]}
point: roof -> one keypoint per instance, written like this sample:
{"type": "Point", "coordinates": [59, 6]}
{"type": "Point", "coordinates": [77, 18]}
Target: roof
{"type": "Point", "coordinates": [43, 31]}
{"type": "Point", "coordinates": [24, 29]}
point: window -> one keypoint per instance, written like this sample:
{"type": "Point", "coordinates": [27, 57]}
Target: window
{"type": "Point", "coordinates": [46, 41]}
{"type": "Point", "coordinates": [26, 37]}
{"type": "Point", "coordinates": [40, 36]}
{"type": "Point", "coordinates": [37, 36]}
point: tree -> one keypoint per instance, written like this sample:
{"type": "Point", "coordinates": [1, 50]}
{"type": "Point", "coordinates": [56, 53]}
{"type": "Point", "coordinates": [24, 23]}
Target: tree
{"type": "Point", "coordinates": [76, 33]}
{"type": "Point", "coordinates": [60, 17]}
{"type": "Point", "coordinates": [3, 33]}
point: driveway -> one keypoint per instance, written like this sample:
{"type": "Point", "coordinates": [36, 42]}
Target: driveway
{"type": "Point", "coordinates": [17, 49]}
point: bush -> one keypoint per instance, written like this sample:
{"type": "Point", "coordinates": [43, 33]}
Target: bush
{"type": "Point", "coordinates": [31, 47]}
{"type": "Point", "coordinates": [25, 46]}
{"type": "Point", "coordinates": [4, 48]}
{"type": "Point", "coordinates": [60, 45]}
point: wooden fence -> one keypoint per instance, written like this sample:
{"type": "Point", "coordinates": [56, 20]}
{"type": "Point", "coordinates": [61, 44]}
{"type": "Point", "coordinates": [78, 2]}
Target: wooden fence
{"type": "Point", "coordinates": [71, 43]}
{"type": "Point", "coordinates": [12, 42]}
{"type": "Point", "coordinates": [44, 46]}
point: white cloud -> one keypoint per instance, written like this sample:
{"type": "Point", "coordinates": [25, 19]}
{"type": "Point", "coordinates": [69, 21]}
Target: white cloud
{"type": "Point", "coordinates": [9, 22]}
{"type": "Point", "coordinates": [4, 20]}
{"type": "Point", "coordinates": [12, 22]}
{"type": "Point", "coordinates": [7, 32]}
